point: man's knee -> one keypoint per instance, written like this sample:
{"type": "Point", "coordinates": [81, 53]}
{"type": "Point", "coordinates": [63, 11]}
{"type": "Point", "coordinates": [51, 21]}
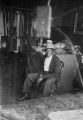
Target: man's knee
{"type": "Point", "coordinates": [32, 76]}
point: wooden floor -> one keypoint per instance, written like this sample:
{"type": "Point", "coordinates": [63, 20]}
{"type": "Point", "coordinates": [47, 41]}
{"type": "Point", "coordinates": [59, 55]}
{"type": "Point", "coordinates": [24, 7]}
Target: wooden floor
{"type": "Point", "coordinates": [40, 109]}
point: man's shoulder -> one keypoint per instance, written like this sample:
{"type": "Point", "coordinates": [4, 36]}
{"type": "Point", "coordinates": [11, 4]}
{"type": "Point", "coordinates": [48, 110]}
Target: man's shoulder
{"type": "Point", "coordinates": [55, 56]}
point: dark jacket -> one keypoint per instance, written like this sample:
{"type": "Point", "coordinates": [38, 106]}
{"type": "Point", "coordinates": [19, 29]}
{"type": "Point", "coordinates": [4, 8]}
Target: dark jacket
{"type": "Point", "coordinates": [55, 66]}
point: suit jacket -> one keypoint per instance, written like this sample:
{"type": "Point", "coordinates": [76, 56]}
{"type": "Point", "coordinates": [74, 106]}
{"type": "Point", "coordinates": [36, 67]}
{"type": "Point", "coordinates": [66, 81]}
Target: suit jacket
{"type": "Point", "coordinates": [54, 68]}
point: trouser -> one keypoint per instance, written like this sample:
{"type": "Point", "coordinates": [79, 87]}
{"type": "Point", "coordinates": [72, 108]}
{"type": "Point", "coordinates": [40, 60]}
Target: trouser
{"type": "Point", "coordinates": [49, 86]}
{"type": "Point", "coordinates": [30, 78]}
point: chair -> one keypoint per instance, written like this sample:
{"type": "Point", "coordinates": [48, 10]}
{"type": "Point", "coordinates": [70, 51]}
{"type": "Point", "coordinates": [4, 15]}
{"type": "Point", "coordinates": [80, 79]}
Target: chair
{"type": "Point", "coordinates": [59, 78]}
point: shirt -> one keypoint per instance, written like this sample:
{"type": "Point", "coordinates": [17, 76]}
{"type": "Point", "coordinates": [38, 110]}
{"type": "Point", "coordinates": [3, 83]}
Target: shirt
{"type": "Point", "coordinates": [47, 63]}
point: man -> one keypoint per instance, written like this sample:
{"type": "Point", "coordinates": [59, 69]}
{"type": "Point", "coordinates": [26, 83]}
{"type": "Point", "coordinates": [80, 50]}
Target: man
{"type": "Point", "coordinates": [48, 72]}
{"type": "Point", "coordinates": [52, 66]}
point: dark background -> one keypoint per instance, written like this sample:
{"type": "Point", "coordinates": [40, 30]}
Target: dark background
{"type": "Point", "coordinates": [30, 4]}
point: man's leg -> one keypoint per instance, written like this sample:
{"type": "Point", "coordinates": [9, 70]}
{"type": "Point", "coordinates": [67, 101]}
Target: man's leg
{"type": "Point", "coordinates": [49, 86]}
{"type": "Point", "coordinates": [31, 77]}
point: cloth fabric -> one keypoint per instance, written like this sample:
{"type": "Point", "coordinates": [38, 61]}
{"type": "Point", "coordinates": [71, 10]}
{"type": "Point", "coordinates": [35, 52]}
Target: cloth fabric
{"type": "Point", "coordinates": [47, 63]}
{"type": "Point", "coordinates": [1, 23]}
{"type": "Point", "coordinates": [49, 86]}
{"type": "Point", "coordinates": [30, 78]}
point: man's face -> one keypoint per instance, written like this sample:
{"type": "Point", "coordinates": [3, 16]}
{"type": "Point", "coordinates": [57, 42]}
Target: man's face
{"type": "Point", "coordinates": [49, 52]}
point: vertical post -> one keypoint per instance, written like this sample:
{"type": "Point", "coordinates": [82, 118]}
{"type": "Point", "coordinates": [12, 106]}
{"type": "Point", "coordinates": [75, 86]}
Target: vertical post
{"type": "Point", "coordinates": [49, 21]}
{"type": "Point", "coordinates": [49, 1]}
{"type": "Point", "coordinates": [50, 17]}
{"type": "Point", "coordinates": [18, 37]}
{"type": "Point", "coordinates": [75, 25]}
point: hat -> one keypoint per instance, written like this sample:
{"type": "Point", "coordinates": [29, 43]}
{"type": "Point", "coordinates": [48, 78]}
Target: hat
{"type": "Point", "coordinates": [50, 46]}
{"type": "Point", "coordinates": [49, 41]}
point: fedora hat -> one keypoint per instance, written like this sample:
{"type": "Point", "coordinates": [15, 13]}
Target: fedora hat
{"type": "Point", "coordinates": [49, 41]}
{"type": "Point", "coordinates": [50, 46]}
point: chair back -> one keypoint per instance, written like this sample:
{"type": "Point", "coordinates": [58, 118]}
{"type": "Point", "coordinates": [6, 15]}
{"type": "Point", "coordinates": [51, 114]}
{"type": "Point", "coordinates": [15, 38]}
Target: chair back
{"type": "Point", "coordinates": [62, 66]}
{"type": "Point", "coordinates": [59, 76]}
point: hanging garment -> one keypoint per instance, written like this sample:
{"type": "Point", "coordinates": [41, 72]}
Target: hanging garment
{"type": "Point", "coordinates": [1, 26]}
{"type": "Point", "coordinates": [15, 20]}
{"type": "Point", "coordinates": [1, 23]}
{"type": "Point", "coordinates": [27, 25]}
{"type": "Point", "coordinates": [5, 22]}
{"type": "Point", "coordinates": [18, 23]}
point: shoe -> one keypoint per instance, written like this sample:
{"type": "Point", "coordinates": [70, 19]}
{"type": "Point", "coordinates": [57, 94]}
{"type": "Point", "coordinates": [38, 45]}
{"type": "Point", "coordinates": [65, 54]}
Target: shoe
{"type": "Point", "coordinates": [25, 97]}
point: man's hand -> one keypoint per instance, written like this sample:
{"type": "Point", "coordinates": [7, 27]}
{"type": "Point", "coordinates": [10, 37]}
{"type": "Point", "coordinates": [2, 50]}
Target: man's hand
{"type": "Point", "coordinates": [39, 79]}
